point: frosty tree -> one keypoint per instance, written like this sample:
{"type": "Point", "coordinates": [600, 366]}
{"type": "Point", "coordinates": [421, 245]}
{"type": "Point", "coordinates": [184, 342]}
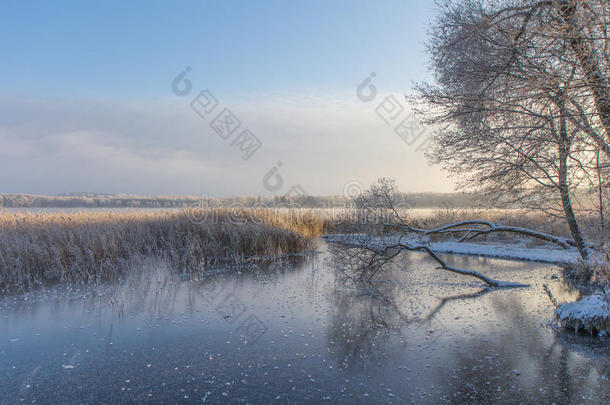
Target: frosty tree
{"type": "Point", "coordinates": [520, 103]}
{"type": "Point", "coordinates": [520, 109]}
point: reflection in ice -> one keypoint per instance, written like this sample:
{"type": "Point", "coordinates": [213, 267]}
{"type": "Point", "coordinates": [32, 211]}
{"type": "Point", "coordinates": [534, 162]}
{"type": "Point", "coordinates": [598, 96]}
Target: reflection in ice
{"type": "Point", "coordinates": [297, 331]}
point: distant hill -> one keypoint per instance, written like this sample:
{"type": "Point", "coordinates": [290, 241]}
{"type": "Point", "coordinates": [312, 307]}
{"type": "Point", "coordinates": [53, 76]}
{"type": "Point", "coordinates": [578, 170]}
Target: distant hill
{"type": "Point", "coordinates": [103, 200]}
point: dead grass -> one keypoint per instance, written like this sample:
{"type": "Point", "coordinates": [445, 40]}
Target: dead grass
{"type": "Point", "coordinates": [42, 248]}
{"type": "Point", "coordinates": [37, 249]}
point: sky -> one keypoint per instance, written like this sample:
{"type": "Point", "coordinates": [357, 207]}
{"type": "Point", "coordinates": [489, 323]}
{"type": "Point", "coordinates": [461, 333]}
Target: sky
{"type": "Point", "coordinates": [91, 97]}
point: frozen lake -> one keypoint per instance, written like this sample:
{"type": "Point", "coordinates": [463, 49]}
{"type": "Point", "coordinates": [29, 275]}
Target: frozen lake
{"type": "Point", "coordinates": [292, 332]}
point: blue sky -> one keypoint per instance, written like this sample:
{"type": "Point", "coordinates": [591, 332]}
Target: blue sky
{"type": "Point", "coordinates": [130, 48]}
{"type": "Point", "coordinates": [84, 67]}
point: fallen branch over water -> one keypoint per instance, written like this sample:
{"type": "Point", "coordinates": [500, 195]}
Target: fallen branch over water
{"type": "Point", "coordinates": [381, 198]}
{"type": "Point", "coordinates": [473, 228]}
{"type": "Point", "coordinates": [370, 255]}
{"type": "Point", "coordinates": [489, 281]}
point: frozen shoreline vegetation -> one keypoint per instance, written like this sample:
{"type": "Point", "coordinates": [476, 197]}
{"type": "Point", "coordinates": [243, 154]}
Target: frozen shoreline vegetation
{"type": "Point", "coordinates": [38, 249]}
{"type": "Point", "coordinates": [590, 314]}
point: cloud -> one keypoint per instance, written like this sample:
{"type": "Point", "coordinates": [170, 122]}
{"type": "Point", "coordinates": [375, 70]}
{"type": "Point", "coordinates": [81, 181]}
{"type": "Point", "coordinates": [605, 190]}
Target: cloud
{"type": "Point", "coordinates": [163, 147]}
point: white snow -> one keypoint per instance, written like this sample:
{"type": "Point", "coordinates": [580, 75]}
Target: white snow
{"type": "Point", "coordinates": [588, 314]}
{"type": "Point", "coordinates": [588, 307]}
{"type": "Point", "coordinates": [547, 253]}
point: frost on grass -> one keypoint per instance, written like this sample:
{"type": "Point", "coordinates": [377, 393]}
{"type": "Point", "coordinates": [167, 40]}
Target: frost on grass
{"type": "Point", "coordinates": [590, 314]}
{"type": "Point", "coordinates": [92, 247]}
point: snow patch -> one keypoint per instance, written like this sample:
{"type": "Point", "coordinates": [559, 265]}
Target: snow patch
{"type": "Point", "coordinates": [590, 314]}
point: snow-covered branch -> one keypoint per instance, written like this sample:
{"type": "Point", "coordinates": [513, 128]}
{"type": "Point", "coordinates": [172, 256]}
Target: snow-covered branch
{"type": "Point", "coordinates": [462, 227]}
{"type": "Point", "coordinates": [367, 258]}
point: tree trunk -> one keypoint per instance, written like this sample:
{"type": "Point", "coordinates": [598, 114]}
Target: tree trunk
{"type": "Point", "coordinates": [564, 190]}
{"type": "Point", "coordinates": [566, 201]}
{"type": "Point", "coordinates": [600, 195]}
{"type": "Point", "coordinates": [588, 60]}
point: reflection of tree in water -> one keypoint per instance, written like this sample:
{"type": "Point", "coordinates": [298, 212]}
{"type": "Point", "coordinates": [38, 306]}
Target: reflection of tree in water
{"type": "Point", "coordinates": [525, 365]}
{"type": "Point", "coordinates": [371, 317]}
{"type": "Point", "coordinates": [361, 327]}
{"type": "Point", "coordinates": [365, 320]}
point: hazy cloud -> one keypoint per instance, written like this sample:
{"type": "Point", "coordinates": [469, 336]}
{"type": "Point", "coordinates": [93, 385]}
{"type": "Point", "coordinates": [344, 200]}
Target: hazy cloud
{"type": "Point", "coordinates": [163, 147]}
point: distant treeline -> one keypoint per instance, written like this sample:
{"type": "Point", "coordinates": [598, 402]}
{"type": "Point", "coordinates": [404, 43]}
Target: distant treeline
{"type": "Point", "coordinates": [90, 200]}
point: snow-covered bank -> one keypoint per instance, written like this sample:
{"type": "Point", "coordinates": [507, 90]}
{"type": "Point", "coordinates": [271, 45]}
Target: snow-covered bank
{"type": "Point", "coordinates": [546, 254]}
{"type": "Point", "coordinates": [590, 314]}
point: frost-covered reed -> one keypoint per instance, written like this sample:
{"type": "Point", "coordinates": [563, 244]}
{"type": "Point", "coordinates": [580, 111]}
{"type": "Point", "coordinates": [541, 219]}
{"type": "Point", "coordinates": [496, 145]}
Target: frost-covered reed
{"type": "Point", "coordinates": [96, 246]}
{"type": "Point", "coordinates": [36, 249]}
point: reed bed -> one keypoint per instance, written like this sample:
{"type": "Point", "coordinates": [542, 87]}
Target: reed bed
{"type": "Point", "coordinates": [91, 247]}
{"type": "Point", "coordinates": [38, 249]}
